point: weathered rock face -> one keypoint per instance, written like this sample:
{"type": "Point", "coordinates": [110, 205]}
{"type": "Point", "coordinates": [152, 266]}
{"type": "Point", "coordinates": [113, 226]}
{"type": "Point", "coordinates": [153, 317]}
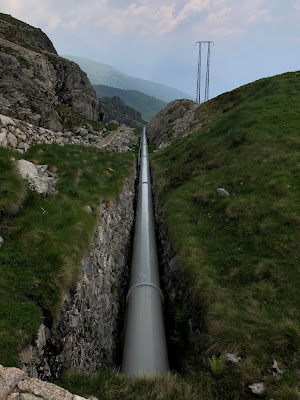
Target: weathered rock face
{"type": "Point", "coordinates": [172, 122]}
{"type": "Point", "coordinates": [33, 83]}
{"type": "Point", "coordinates": [116, 109]}
{"type": "Point", "coordinates": [88, 333]}
{"type": "Point", "coordinates": [16, 385]}
{"type": "Point", "coordinates": [25, 35]}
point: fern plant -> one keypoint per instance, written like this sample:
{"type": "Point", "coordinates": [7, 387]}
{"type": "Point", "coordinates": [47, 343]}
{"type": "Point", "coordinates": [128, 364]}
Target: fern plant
{"type": "Point", "coordinates": [217, 365]}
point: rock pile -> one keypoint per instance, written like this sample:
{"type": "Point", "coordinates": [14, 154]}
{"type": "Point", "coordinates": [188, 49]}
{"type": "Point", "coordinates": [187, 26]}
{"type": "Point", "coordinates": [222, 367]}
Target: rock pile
{"type": "Point", "coordinates": [16, 385]}
{"type": "Point", "coordinates": [122, 139]}
{"type": "Point", "coordinates": [19, 135]}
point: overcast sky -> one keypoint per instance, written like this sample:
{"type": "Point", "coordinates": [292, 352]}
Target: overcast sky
{"type": "Point", "coordinates": [155, 39]}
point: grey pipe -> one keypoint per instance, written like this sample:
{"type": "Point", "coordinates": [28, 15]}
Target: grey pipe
{"type": "Point", "coordinates": [145, 348]}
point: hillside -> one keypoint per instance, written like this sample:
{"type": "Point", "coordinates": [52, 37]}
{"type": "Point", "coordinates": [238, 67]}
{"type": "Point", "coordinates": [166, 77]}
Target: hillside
{"type": "Point", "coordinates": [229, 194]}
{"type": "Point", "coordinates": [25, 35]}
{"type": "Point", "coordinates": [66, 207]}
{"type": "Point", "coordinates": [116, 109]}
{"type": "Point", "coordinates": [103, 74]}
{"type": "Point", "coordinates": [148, 106]}
{"type": "Point", "coordinates": [35, 84]}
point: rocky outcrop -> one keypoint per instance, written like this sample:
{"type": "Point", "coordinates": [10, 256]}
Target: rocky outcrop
{"type": "Point", "coordinates": [116, 109]}
{"type": "Point", "coordinates": [39, 178]}
{"type": "Point", "coordinates": [25, 35]}
{"type": "Point", "coordinates": [16, 385]}
{"type": "Point", "coordinates": [89, 330]}
{"type": "Point", "coordinates": [174, 121]}
{"type": "Point", "coordinates": [33, 83]}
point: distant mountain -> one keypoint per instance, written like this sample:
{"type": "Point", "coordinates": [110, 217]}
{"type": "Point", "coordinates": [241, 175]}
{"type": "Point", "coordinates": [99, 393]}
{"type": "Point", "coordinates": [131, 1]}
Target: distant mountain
{"type": "Point", "coordinates": [116, 109]}
{"type": "Point", "coordinates": [148, 106]}
{"type": "Point", "coordinates": [103, 74]}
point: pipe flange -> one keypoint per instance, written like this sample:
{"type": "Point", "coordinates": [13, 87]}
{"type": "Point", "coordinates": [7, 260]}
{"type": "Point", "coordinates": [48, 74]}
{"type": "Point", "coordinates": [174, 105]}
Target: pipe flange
{"type": "Point", "coordinates": [145, 284]}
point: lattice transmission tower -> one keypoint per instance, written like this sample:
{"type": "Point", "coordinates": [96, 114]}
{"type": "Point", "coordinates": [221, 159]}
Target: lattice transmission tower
{"type": "Point", "coordinates": [206, 92]}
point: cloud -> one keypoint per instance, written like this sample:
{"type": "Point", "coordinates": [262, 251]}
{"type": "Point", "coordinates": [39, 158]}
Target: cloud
{"type": "Point", "coordinates": [40, 13]}
{"type": "Point", "coordinates": [155, 18]}
{"type": "Point", "coordinates": [297, 5]}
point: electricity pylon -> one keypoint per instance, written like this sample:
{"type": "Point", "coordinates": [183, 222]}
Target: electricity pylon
{"type": "Point", "coordinates": [206, 93]}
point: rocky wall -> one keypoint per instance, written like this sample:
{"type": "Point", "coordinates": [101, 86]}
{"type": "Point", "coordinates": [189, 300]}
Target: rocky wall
{"type": "Point", "coordinates": [89, 330]}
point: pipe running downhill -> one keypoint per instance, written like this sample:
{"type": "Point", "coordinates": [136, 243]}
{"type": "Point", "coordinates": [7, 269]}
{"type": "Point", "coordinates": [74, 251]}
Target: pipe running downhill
{"type": "Point", "coordinates": [145, 348]}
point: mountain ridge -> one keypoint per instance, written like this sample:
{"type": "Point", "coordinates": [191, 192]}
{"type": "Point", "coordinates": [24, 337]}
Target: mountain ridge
{"type": "Point", "coordinates": [104, 74]}
{"type": "Point", "coordinates": [147, 105]}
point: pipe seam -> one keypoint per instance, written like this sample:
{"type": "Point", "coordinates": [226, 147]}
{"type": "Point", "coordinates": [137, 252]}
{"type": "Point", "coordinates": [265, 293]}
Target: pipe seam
{"type": "Point", "coordinates": [145, 284]}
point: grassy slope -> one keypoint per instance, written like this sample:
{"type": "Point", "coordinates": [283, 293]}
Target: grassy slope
{"type": "Point", "coordinates": [148, 106]}
{"type": "Point", "coordinates": [40, 256]}
{"type": "Point", "coordinates": [240, 254]}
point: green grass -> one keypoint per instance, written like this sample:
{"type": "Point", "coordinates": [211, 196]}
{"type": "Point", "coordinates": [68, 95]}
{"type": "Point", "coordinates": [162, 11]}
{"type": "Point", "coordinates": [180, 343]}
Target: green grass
{"type": "Point", "coordinates": [240, 254]}
{"type": "Point", "coordinates": [110, 385]}
{"type": "Point", "coordinates": [71, 119]}
{"type": "Point", "coordinates": [40, 257]}
{"type": "Point", "coordinates": [12, 187]}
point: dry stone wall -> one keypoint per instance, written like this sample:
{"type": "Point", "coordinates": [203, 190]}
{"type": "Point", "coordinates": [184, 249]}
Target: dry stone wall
{"type": "Point", "coordinates": [18, 135]}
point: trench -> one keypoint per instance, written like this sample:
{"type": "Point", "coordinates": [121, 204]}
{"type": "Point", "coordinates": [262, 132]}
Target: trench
{"type": "Point", "coordinates": [90, 332]}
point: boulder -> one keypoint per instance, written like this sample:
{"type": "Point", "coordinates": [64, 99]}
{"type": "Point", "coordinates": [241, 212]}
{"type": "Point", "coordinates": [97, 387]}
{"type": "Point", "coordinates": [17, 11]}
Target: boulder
{"type": "Point", "coordinates": [257, 388]}
{"type": "Point", "coordinates": [12, 140]}
{"type": "Point", "coordinates": [222, 192]}
{"type": "Point", "coordinates": [39, 179]}
{"type": "Point", "coordinates": [5, 121]}
{"type": "Point", "coordinates": [3, 139]}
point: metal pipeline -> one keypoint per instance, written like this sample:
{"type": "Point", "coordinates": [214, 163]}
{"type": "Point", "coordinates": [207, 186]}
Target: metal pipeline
{"type": "Point", "coordinates": [145, 348]}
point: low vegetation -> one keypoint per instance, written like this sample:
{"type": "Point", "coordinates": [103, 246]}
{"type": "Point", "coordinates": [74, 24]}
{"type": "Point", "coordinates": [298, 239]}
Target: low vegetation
{"type": "Point", "coordinates": [71, 119]}
{"type": "Point", "coordinates": [240, 253]}
{"type": "Point", "coordinates": [110, 385]}
{"type": "Point", "coordinates": [12, 188]}
{"type": "Point", "coordinates": [46, 239]}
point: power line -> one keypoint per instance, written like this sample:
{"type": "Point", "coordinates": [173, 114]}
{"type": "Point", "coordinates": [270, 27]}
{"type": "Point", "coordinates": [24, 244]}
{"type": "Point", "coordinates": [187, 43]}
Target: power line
{"type": "Point", "coordinates": [206, 93]}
